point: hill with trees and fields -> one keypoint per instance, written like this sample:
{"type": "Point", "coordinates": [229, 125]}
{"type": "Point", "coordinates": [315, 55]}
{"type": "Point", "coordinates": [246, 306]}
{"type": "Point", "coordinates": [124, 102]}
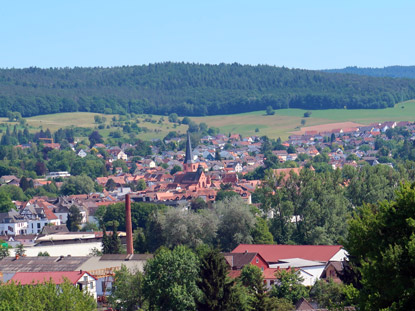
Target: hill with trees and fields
{"type": "Point", "coordinates": [391, 71]}
{"type": "Point", "coordinates": [191, 89]}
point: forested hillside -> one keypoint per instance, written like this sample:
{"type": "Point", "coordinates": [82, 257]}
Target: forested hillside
{"type": "Point", "coordinates": [191, 89]}
{"type": "Point", "coordinates": [391, 71]}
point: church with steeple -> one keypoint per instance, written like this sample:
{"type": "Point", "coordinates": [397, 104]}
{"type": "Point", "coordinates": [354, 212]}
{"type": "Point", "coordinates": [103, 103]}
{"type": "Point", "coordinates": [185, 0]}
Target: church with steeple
{"type": "Point", "coordinates": [189, 164]}
{"type": "Point", "coordinates": [193, 176]}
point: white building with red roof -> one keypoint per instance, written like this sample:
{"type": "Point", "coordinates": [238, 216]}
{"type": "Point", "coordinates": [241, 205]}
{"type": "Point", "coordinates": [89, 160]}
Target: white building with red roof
{"type": "Point", "coordinates": [275, 253]}
{"type": "Point", "coordinates": [310, 259]}
{"type": "Point", "coordinates": [38, 214]}
{"type": "Point", "coordinates": [82, 279]}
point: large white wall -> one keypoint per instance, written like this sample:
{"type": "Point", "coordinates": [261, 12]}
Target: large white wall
{"type": "Point", "coordinates": [76, 249]}
{"type": "Point", "coordinates": [340, 255]}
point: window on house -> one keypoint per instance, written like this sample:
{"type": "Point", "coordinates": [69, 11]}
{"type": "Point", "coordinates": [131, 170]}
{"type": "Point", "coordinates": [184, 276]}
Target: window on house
{"type": "Point", "coordinates": [257, 260]}
{"type": "Point", "coordinates": [38, 225]}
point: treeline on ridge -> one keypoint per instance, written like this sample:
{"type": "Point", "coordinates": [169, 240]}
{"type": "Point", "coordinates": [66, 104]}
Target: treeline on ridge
{"type": "Point", "coordinates": [191, 89]}
{"type": "Point", "coordinates": [390, 71]}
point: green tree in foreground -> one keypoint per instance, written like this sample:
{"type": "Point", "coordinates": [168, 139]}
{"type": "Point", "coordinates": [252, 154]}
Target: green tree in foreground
{"type": "Point", "coordinates": [74, 219]}
{"type": "Point", "coordinates": [6, 203]}
{"type": "Point", "coordinates": [111, 244]}
{"type": "Point", "coordinates": [251, 277]}
{"type": "Point", "coordinates": [230, 232]}
{"type": "Point", "coordinates": [258, 297]}
{"type": "Point", "coordinates": [260, 233]}
{"type": "Point", "coordinates": [330, 294]}
{"type": "Point", "coordinates": [45, 297]}
{"type": "Point", "coordinates": [214, 283]}
{"type": "Point", "coordinates": [170, 280]}
{"type": "Point", "coordinates": [381, 246]}
{"type": "Point", "coordinates": [288, 286]}
{"type": "Point", "coordinates": [126, 291]}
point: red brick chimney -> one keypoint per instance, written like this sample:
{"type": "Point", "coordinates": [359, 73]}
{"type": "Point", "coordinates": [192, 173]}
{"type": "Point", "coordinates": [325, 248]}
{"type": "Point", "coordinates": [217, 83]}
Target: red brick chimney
{"type": "Point", "coordinates": [128, 225]}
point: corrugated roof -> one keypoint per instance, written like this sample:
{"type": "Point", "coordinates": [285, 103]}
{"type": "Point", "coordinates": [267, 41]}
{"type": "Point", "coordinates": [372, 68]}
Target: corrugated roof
{"type": "Point", "coordinates": [126, 257]}
{"type": "Point", "coordinates": [41, 264]}
{"type": "Point", "coordinates": [296, 263]}
{"type": "Point", "coordinates": [274, 253]}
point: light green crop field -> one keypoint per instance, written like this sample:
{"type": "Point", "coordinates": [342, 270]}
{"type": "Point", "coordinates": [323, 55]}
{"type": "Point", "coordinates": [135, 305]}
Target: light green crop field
{"type": "Point", "coordinates": [281, 124]}
{"type": "Point", "coordinates": [86, 119]}
{"type": "Point", "coordinates": [289, 120]}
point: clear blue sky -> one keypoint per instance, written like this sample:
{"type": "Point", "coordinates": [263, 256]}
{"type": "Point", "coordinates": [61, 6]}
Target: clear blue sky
{"type": "Point", "coordinates": [312, 34]}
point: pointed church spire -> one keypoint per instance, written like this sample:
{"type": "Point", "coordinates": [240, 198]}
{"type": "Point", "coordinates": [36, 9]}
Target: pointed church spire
{"type": "Point", "coordinates": [189, 154]}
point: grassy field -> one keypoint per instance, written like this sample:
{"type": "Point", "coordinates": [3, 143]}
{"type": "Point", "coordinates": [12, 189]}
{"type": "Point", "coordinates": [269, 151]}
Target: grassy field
{"type": "Point", "coordinates": [253, 123]}
{"type": "Point", "coordinates": [86, 119]}
{"type": "Point", "coordinates": [288, 120]}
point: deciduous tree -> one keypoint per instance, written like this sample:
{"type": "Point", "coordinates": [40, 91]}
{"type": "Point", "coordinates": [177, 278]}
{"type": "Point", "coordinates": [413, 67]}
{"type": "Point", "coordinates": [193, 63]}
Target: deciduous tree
{"type": "Point", "coordinates": [126, 290]}
{"type": "Point", "coordinates": [77, 185]}
{"type": "Point", "coordinates": [235, 223]}
{"type": "Point", "coordinates": [74, 219]}
{"type": "Point", "coordinates": [170, 280]}
{"type": "Point", "coordinates": [288, 285]}
{"type": "Point", "coordinates": [381, 247]}
{"type": "Point", "coordinates": [45, 297]}
{"type": "Point", "coordinates": [6, 203]}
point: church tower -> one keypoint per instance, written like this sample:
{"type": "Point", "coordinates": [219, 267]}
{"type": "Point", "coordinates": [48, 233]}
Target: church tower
{"type": "Point", "coordinates": [189, 164]}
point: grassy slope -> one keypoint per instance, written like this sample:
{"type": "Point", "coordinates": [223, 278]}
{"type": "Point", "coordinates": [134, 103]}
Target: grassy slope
{"type": "Point", "coordinates": [86, 119]}
{"type": "Point", "coordinates": [278, 125]}
{"type": "Point", "coordinates": [287, 120]}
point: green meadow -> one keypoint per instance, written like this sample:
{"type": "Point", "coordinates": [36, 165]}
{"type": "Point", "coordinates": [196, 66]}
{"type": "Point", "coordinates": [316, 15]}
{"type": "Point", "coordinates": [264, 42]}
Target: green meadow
{"type": "Point", "coordinates": [281, 124]}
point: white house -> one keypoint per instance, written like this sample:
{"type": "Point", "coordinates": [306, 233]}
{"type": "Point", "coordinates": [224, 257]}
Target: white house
{"type": "Point", "coordinates": [11, 223]}
{"type": "Point", "coordinates": [82, 279]}
{"type": "Point", "coordinates": [38, 216]}
{"type": "Point", "coordinates": [54, 175]}
{"type": "Point", "coordinates": [122, 156]}
{"type": "Point", "coordinates": [310, 270]}
{"type": "Point", "coordinates": [82, 153]}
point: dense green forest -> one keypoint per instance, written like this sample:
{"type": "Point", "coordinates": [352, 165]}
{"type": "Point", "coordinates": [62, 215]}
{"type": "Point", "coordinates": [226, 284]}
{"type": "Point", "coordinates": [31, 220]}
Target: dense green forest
{"type": "Point", "coordinates": [191, 89]}
{"type": "Point", "coordinates": [391, 71]}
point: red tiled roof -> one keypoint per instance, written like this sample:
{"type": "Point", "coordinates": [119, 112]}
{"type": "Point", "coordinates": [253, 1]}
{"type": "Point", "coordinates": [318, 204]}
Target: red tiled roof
{"type": "Point", "coordinates": [233, 274]}
{"type": "Point", "coordinates": [106, 203]}
{"type": "Point", "coordinates": [49, 214]}
{"type": "Point", "coordinates": [57, 277]}
{"type": "Point", "coordinates": [269, 273]}
{"type": "Point", "coordinates": [102, 180]}
{"type": "Point", "coordinates": [287, 171]}
{"type": "Point", "coordinates": [273, 253]}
